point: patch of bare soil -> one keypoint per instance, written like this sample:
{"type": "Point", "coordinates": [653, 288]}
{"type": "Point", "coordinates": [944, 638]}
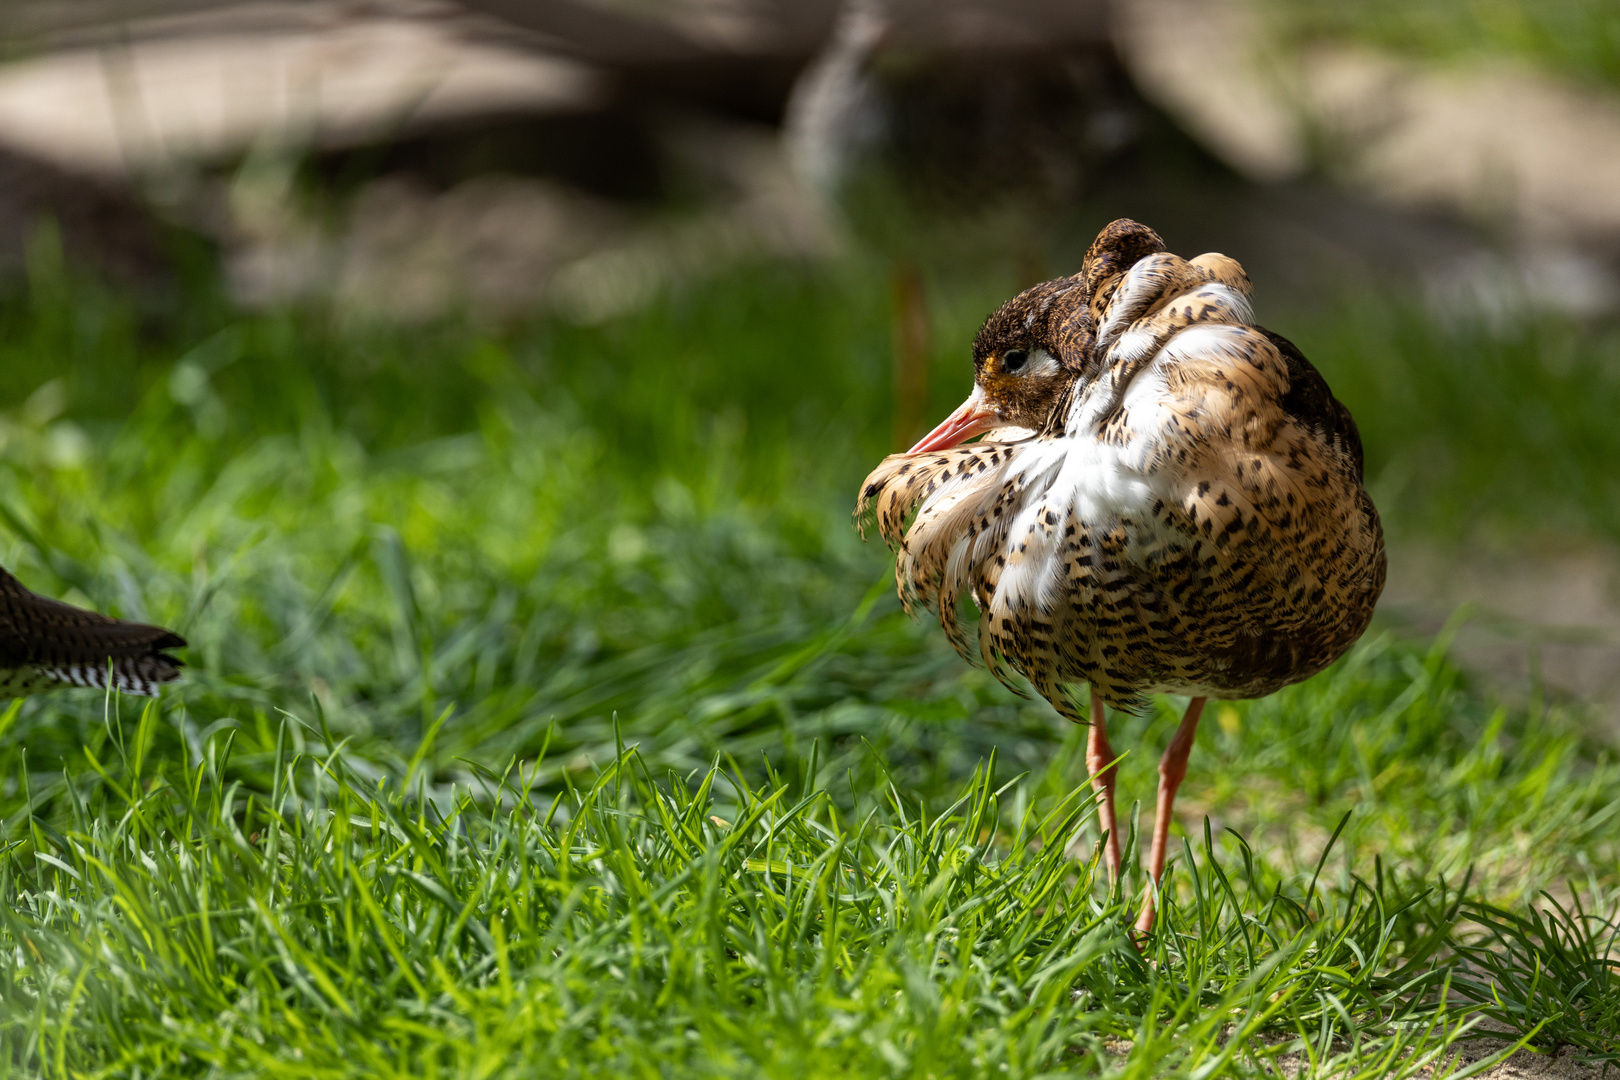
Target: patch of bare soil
{"type": "Point", "coordinates": [1520, 1065]}
{"type": "Point", "coordinates": [1527, 1063]}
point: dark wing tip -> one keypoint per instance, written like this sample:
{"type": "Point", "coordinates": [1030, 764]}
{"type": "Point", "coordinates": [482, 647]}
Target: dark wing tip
{"type": "Point", "coordinates": [1310, 400]}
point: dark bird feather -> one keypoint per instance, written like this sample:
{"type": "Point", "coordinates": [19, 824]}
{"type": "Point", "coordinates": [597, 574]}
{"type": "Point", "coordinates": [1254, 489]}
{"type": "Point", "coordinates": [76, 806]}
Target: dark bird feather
{"type": "Point", "coordinates": [45, 643]}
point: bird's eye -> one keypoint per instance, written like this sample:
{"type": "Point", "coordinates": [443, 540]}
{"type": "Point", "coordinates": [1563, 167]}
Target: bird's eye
{"type": "Point", "coordinates": [1014, 359]}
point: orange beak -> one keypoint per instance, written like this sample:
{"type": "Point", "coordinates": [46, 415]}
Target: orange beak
{"type": "Point", "coordinates": [972, 417]}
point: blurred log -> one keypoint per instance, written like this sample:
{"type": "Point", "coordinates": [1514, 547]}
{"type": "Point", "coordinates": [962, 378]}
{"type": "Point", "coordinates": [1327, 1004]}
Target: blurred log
{"type": "Point", "coordinates": [99, 226]}
{"type": "Point", "coordinates": [160, 100]}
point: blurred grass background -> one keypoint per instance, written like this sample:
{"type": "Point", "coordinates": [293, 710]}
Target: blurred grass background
{"type": "Point", "coordinates": [1573, 38]}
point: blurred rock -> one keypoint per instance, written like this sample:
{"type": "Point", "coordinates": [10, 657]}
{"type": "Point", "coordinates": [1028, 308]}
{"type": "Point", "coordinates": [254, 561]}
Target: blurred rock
{"type": "Point", "coordinates": [504, 154]}
{"type": "Point", "coordinates": [1516, 151]}
{"type": "Point", "coordinates": [1202, 61]}
{"type": "Point", "coordinates": [1497, 143]}
{"type": "Point", "coordinates": [580, 123]}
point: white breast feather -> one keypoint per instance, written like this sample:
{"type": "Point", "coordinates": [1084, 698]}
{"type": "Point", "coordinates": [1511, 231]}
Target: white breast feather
{"type": "Point", "coordinates": [1080, 476]}
{"type": "Point", "coordinates": [1096, 481]}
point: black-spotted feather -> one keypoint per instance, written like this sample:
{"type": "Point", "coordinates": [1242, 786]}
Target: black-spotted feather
{"type": "Point", "coordinates": [1180, 525]}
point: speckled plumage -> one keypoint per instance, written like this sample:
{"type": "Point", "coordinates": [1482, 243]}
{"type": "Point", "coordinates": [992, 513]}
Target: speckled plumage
{"type": "Point", "coordinates": [45, 643]}
{"type": "Point", "coordinates": [1189, 516]}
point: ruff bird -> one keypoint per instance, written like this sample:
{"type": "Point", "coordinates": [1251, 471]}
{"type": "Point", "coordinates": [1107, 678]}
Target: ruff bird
{"type": "Point", "coordinates": [1168, 500]}
{"type": "Point", "coordinates": [45, 644]}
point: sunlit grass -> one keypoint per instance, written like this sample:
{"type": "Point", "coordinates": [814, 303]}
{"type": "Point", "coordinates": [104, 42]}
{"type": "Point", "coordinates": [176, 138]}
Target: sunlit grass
{"type": "Point", "coordinates": [173, 920]}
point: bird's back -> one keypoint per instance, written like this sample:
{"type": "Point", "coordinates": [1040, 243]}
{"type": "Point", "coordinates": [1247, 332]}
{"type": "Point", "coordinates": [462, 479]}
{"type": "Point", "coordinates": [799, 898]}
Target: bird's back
{"type": "Point", "coordinates": [1256, 558]}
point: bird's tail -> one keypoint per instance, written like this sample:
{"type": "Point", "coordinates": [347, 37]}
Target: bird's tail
{"type": "Point", "coordinates": [45, 643]}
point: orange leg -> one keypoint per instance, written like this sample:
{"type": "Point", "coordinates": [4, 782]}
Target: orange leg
{"type": "Point", "coordinates": [1172, 770]}
{"type": "Point", "coordinates": [1098, 755]}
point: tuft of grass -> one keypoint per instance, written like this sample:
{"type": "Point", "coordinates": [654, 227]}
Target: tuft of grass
{"type": "Point", "coordinates": [1556, 967]}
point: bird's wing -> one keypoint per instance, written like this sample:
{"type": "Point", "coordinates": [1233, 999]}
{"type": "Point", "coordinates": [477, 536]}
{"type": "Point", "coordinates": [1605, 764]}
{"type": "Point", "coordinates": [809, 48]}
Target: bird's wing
{"type": "Point", "coordinates": [1312, 404]}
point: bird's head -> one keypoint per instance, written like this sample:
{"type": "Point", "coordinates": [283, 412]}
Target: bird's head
{"type": "Point", "coordinates": [1031, 354]}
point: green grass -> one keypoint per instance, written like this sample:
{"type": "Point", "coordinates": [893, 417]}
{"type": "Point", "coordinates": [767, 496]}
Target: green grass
{"type": "Point", "coordinates": [1575, 39]}
{"type": "Point", "coordinates": [624, 927]}
{"type": "Point", "coordinates": [489, 627]}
